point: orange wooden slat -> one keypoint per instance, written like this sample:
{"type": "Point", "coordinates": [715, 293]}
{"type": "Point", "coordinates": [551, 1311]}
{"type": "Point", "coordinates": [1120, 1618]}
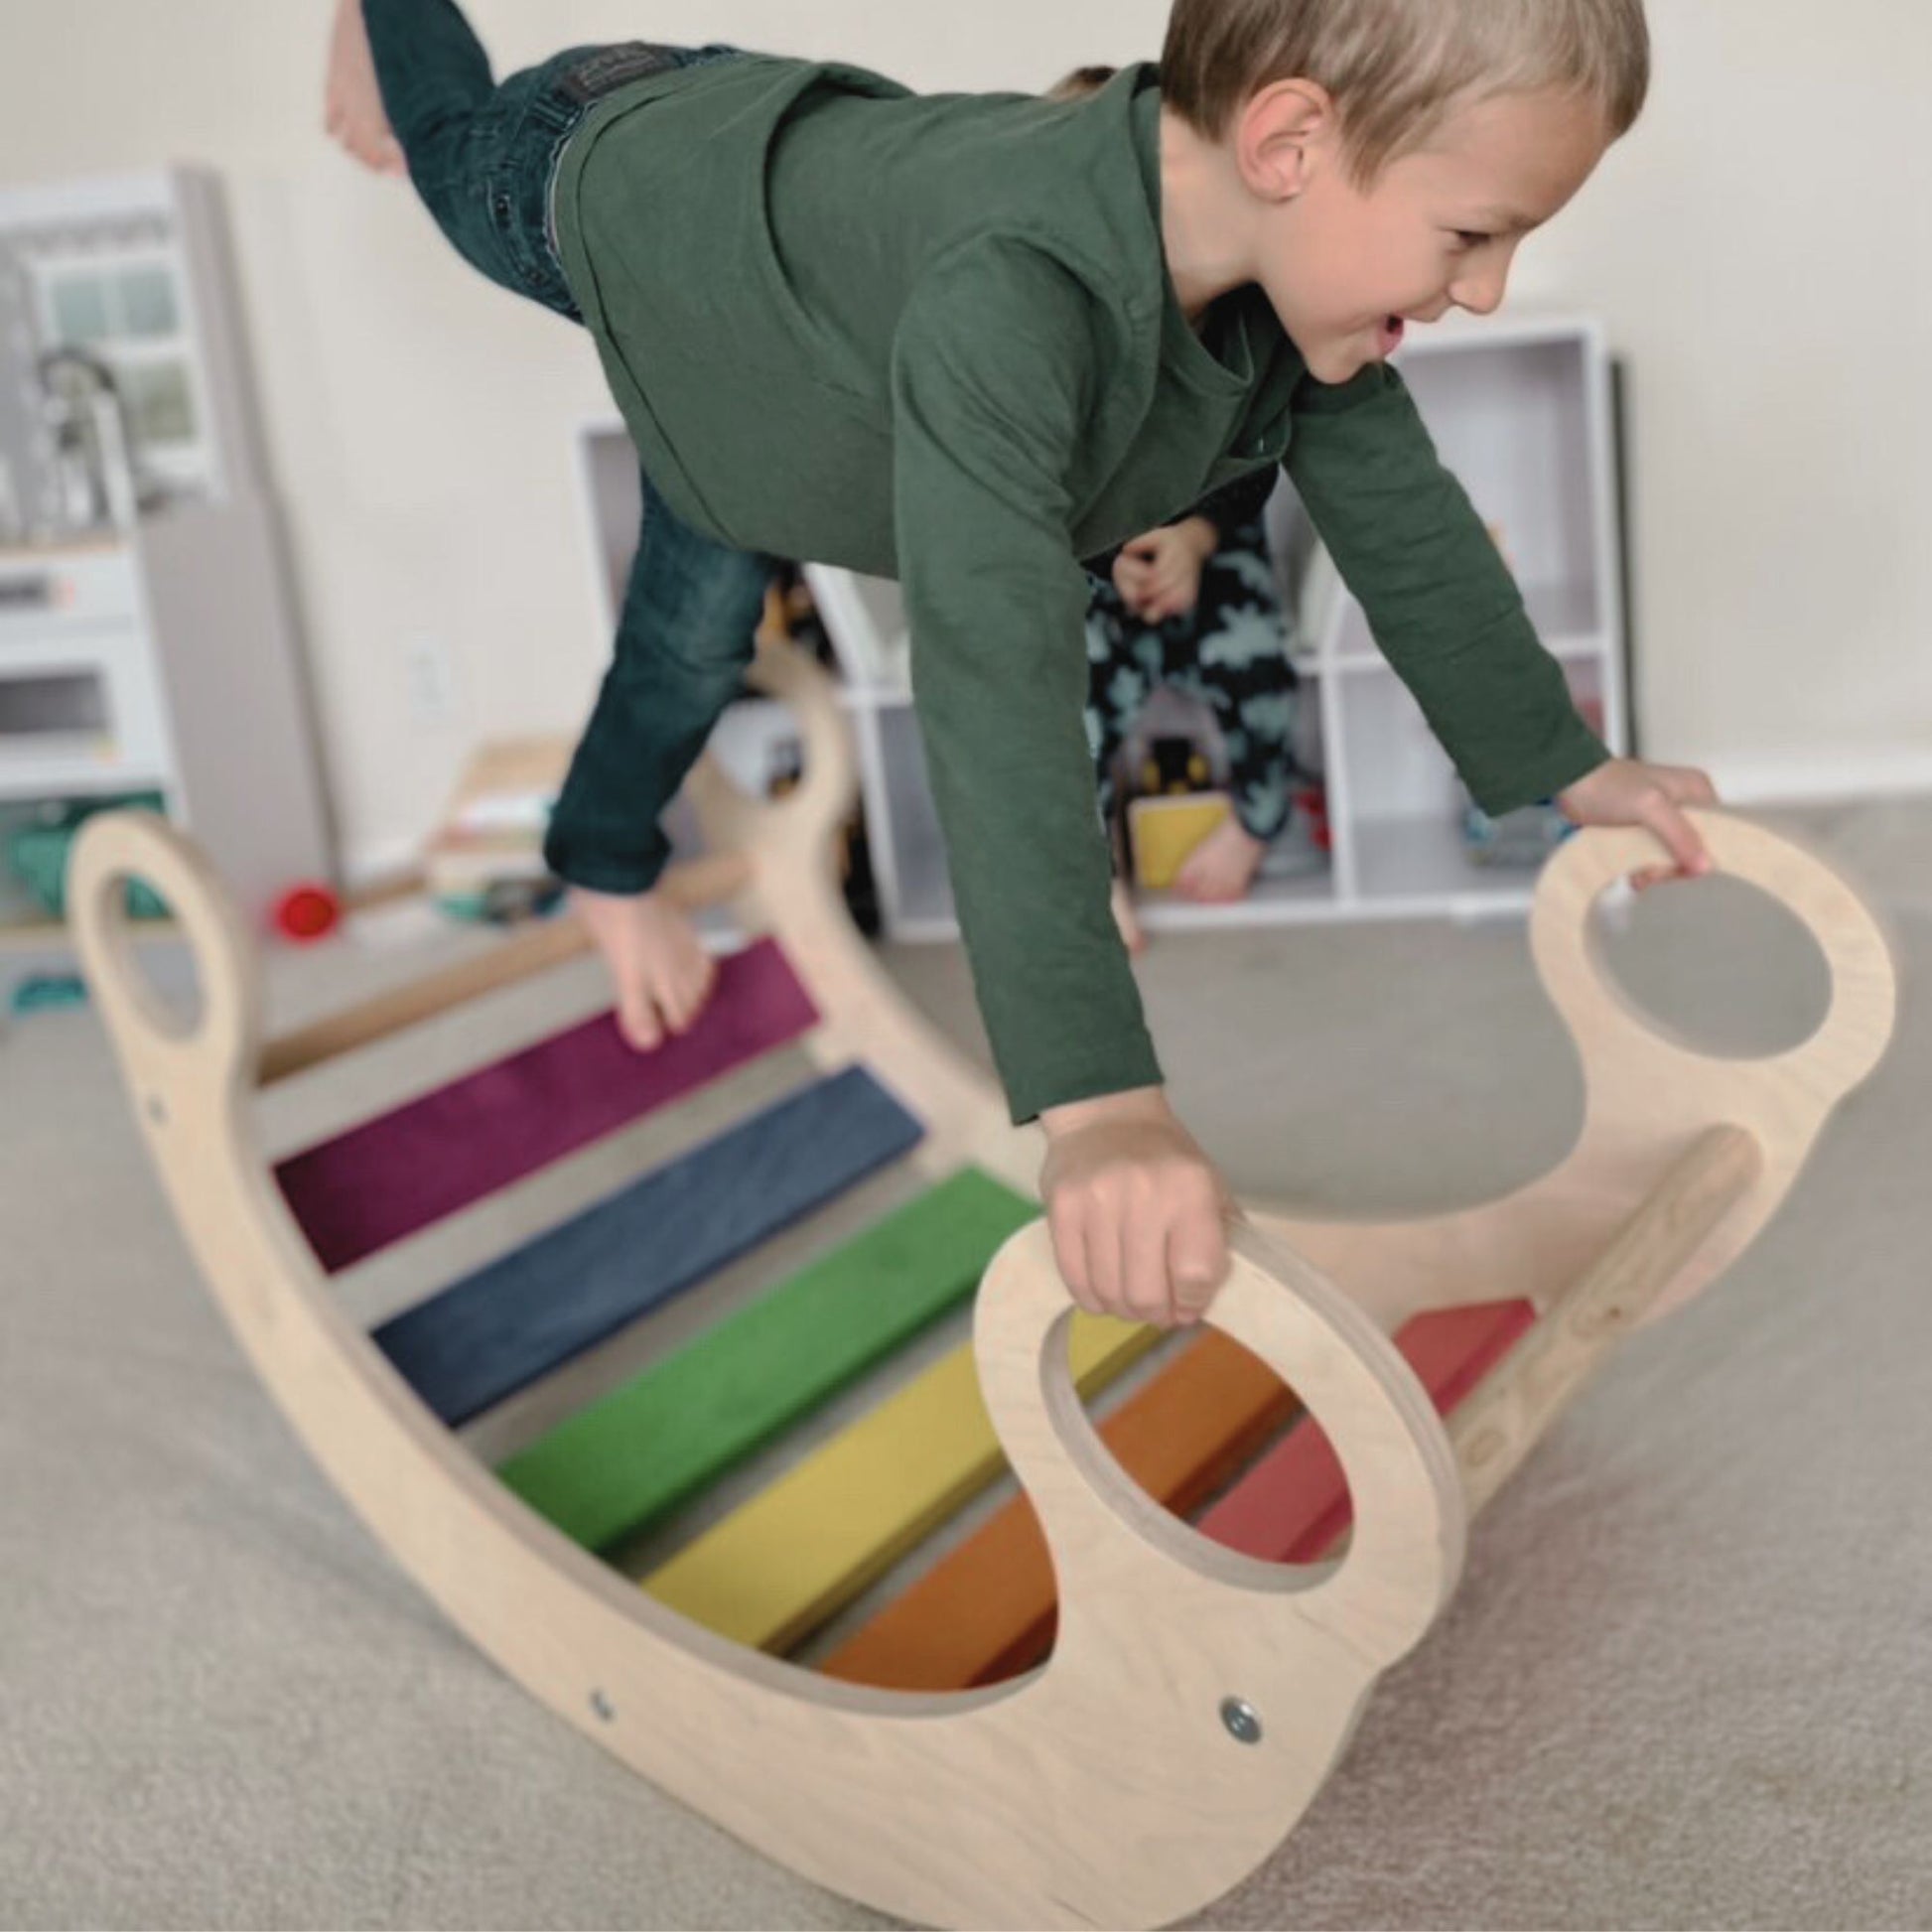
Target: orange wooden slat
{"type": "Point", "coordinates": [986, 1610]}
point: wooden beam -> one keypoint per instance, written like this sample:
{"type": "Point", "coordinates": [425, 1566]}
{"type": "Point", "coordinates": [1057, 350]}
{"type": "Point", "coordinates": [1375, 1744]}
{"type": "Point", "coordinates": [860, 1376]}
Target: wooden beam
{"type": "Point", "coordinates": [986, 1611]}
{"type": "Point", "coordinates": [798, 1552]}
{"type": "Point", "coordinates": [704, 882]}
{"type": "Point", "coordinates": [1504, 1420]}
{"type": "Point", "coordinates": [359, 1191]}
{"type": "Point", "coordinates": [615, 1468]}
{"type": "Point", "coordinates": [491, 1334]}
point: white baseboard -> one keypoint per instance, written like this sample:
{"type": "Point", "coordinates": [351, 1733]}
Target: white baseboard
{"type": "Point", "coordinates": [1885, 772]}
{"type": "Point", "coordinates": [1888, 773]}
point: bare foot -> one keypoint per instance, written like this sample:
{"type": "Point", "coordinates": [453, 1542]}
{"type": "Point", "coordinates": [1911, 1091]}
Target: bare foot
{"type": "Point", "coordinates": [353, 104]}
{"type": "Point", "coordinates": [659, 970]}
{"type": "Point", "coordinates": [1223, 866]}
{"type": "Point", "coordinates": [1128, 919]}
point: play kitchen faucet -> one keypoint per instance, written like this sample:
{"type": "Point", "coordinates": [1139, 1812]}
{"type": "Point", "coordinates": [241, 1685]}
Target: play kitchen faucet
{"type": "Point", "coordinates": [92, 466]}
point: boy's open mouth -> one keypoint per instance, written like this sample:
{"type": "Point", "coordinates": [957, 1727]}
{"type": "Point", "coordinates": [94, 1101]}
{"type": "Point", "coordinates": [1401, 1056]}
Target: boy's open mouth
{"type": "Point", "coordinates": [1391, 332]}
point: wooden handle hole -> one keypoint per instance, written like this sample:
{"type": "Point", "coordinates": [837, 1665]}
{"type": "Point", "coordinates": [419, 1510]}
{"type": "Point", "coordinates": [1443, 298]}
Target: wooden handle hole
{"type": "Point", "coordinates": [162, 980]}
{"type": "Point", "coordinates": [1718, 965]}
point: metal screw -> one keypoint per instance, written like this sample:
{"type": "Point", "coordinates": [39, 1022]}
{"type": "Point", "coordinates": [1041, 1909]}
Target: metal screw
{"type": "Point", "coordinates": [602, 1707]}
{"type": "Point", "coordinates": [1242, 1719]}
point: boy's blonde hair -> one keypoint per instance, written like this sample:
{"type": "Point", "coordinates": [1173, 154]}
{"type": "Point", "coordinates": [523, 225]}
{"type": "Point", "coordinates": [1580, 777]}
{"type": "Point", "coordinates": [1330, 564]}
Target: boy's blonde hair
{"type": "Point", "coordinates": [1397, 68]}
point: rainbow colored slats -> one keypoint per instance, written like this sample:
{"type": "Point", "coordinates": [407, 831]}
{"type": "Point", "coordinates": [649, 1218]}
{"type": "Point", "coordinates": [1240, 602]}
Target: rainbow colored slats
{"type": "Point", "coordinates": [798, 1552]}
{"type": "Point", "coordinates": [361, 1191]}
{"type": "Point", "coordinates": [986, 1610]}
{"type": "Point", "coordinates": [533, 1310]}
{"type": "Point", "coordinates": [617, 1468]}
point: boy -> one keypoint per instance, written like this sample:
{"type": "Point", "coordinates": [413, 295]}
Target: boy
{"type": "Point", "coordinates": [1194, 606]}
{"type": "Point", "coordinates": [966, 341]}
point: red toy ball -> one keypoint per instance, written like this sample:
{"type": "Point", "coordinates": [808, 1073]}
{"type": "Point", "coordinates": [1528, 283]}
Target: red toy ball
{"type": "Point", "coordinates": [307, 912]}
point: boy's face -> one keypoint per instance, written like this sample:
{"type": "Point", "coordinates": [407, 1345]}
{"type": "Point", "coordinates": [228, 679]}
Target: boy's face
{"type": "Point", "coordinates": [1346, 268]}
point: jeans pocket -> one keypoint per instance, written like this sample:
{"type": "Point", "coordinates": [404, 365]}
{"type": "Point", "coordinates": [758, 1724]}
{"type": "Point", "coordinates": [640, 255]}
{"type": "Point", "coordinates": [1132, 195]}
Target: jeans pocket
{"type": "Point", "coordinates": [513, 209]}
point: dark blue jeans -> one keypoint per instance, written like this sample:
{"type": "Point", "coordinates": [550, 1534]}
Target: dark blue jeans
{"type": "Point", "coordinates": [483, 157]}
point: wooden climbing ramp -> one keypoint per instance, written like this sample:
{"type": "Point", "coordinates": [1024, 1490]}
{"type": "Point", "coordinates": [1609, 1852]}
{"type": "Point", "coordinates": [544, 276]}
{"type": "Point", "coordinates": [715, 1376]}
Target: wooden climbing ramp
{"type": "Point", "coordinates": [1058, 1623]}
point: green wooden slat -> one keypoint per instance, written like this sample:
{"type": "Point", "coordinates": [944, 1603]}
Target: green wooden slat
{"type": "Point", "coordinates": [619, 1465]}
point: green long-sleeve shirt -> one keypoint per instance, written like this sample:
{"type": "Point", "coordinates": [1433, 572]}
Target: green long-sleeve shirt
{"type": "Point", "coordinates": [934, 338]}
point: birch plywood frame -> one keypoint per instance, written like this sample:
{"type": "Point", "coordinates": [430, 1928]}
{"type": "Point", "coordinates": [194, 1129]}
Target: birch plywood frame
{"type": "Point", "coordinates": [1196, 1699]}
{"type": "Point", "coordinates": [1647, 1098]}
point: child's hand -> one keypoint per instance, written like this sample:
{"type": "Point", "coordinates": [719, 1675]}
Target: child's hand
{"type": "Point", "coordinates": [1626, 792]}
{"type": "Point", "coordinates": [352, 106]}
{"type": "Point", "coordinates": [1159, 574]}
{"type": "Point", "coordinates": [660, 973]}
{"type": "Point", "coordinates": [1137, 1215]}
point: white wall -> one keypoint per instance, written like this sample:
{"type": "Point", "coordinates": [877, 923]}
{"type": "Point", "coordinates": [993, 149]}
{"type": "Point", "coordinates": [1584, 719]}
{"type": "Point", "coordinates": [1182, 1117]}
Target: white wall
{"type": "Point", "coordinates": [1761, 249]}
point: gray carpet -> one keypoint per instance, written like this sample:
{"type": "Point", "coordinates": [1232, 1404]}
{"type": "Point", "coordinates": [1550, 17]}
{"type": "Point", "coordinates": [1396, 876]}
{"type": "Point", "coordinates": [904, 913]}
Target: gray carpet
{"type": "Point", "coordinates": [1687, 1682]}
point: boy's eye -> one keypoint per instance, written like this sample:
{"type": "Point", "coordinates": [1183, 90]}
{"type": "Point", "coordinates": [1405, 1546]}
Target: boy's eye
{"type": "Point", "coordinates": [1468, 238]}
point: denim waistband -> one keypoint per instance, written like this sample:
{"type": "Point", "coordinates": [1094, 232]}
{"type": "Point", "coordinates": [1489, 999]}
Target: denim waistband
{"type": "Point", "coordinates": [569, 84]}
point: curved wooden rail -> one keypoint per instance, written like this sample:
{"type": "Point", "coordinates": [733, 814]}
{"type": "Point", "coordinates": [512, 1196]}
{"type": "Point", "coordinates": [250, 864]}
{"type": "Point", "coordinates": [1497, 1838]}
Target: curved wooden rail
{"type": "Point", "coordinates": [796, 896]}
{"type": "Point", "coordinates": [1195, 1700]}
{"type": "Point", "coordinates": [1648, 1098]}
{"type": "Point", "coordinates": [1016, 1807]}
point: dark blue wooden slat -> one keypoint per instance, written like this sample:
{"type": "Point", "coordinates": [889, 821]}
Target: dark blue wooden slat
{"type": "Point", "coordinates": [487, 1336]}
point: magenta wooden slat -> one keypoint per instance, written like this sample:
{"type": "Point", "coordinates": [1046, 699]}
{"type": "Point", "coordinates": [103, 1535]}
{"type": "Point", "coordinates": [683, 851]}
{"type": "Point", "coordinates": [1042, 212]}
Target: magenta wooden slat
{"type": "Point", "coordinates": [404, 1171]}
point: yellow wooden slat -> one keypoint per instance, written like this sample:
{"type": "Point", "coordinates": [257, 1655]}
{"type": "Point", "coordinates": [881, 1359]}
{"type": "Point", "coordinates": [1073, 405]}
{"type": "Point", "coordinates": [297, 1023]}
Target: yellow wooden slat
{"type": "Point", "coordinates": [776, 1568]}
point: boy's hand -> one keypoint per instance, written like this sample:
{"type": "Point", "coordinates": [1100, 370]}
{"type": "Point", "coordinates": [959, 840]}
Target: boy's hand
{"type": "Point", "coordinates": [1626, 792]}
{"type": "Point", "coordinates": [1137, 1215]}
{"type": "Point", "coordinates": [660, 973]}
{"type": "Point", "coordinates": [352, 105]}
{"type": "Point", "coordinates": [1159, 574]}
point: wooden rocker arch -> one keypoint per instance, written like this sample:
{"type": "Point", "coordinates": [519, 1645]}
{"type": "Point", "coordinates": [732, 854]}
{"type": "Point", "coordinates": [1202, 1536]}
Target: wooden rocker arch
{"type": "Point", "coordinates": [1196, 1696]}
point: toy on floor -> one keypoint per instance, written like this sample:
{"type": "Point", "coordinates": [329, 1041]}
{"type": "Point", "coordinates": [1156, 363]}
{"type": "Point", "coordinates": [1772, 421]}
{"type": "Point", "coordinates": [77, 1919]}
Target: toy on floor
{"type": "Point", "coordinates": [307, 912]}
{"type": "Point", "coordinates": [1165, 833]}
{"type": "Point", "coordinates": [1179, 1704]}
{"type": "Point", "coordinates": [37, 849]}
{"type": "Point", "coordinates": [1169, 808]}
{"type": "Point", "coordinates": [484, 861]}
{"type": "Point", "coordinates": [48, 993]}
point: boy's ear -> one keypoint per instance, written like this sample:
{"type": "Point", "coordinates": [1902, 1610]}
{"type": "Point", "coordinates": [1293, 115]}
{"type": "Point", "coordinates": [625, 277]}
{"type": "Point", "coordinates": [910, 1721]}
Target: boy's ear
{"type": "Point", "coordinates": [1281, 135]}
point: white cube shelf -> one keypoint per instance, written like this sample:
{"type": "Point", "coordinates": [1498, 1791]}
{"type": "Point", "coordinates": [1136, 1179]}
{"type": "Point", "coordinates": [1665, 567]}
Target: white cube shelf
{"type": "Point", "coordinates": [1522, 412]}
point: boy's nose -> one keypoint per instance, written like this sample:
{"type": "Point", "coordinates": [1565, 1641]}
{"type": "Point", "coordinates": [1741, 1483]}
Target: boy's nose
{"type": "Point", "coordinates": [1481, 293]}
{"type": "Point", "coordinates": [1480, 286]}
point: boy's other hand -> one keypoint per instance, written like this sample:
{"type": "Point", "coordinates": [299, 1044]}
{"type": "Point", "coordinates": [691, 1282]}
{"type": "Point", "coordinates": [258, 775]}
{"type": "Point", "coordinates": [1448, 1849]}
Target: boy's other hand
{"type": "Point", "coordinates": [352, 108]}
{"type": "Point", "coordinates": [1139, 1216]}
{"type": "Point", "coordinates": [1159, 574]}
{"type": "Point", "coordinates": [660, 973]}
{"type": "Point", "coordinates": [1628, 792]}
